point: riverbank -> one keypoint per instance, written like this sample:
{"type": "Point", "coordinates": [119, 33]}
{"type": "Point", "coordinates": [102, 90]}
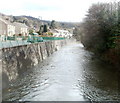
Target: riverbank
{"type": "Point", "coordinates": [16, 60]}
{"type": "Point", "coordinates": [70, 74]}
{"type": "Point", "coordinates": [112, 56]}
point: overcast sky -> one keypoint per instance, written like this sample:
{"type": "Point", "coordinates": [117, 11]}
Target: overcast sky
{"type": "Point", "coordinates": [59, 10]}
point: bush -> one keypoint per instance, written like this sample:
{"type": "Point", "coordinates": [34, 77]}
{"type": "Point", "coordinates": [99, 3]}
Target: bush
{"type": "Point", "coordinates": [100, 31]}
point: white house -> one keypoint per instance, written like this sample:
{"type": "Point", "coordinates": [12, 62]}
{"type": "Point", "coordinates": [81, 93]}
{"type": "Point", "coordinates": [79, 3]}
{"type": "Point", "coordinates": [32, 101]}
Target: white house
{"type": "Point", "coordinates": [20, 28]}
{"type": "Point", "coordinates": [61, 33]}
{"type": "Point", "coordinates": [3, 27]}
{"type": "Point", "coordinates": [11, 30]}
{"type": "Point", "coordinates": [6, 28]}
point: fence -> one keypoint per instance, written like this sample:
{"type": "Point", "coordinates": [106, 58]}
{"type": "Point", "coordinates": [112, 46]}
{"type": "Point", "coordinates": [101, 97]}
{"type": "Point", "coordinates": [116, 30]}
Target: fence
{"type": "Point", "coordinates": [9, 41]}
{"type": "Point", "coordinates": [53, 38]}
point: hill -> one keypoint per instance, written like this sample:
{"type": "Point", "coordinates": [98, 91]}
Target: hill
{"type": "Point", "coordinates": [34, 23]}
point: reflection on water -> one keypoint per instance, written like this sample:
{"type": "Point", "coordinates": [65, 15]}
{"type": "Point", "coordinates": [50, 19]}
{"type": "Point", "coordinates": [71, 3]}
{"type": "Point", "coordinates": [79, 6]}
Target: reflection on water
{"type": "Point", "coordinates": [100, 81]}
{"type": "Point", "coordinates": [68, 75]}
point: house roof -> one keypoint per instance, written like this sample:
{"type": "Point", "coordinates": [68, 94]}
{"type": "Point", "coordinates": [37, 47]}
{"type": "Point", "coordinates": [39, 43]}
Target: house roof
{"type": "Point", "coordinates": [3, 21]}
{"type": "Point", "coordinates": [6, 22]}
{"type": "Point", "coordinates": [13, 24]}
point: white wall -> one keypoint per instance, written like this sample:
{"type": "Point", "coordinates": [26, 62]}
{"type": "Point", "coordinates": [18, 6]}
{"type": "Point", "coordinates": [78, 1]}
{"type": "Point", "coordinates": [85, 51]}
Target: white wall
{"type": "Point", "coordinates": [11, 30]}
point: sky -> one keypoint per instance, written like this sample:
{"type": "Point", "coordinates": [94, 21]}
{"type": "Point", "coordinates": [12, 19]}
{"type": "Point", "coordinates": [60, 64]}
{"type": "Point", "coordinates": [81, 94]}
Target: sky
{"type": "Point", "coordinates": [58, 10]}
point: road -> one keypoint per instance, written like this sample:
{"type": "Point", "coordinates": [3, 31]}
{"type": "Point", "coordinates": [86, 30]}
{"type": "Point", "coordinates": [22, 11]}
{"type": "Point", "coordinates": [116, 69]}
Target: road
{"type": "Point", "coordinates": [70, 74]}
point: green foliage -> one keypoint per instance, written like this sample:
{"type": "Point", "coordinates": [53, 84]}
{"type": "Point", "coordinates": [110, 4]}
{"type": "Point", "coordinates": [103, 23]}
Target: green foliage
{"type": "Point", "coordinates": [41, 29]}
{"type": "Point", "coordinates": [100, 27]}
{"type": "Point", "coordinates": [50, 33]}
{"type": "Point", "coordinates": [53, 24]}
{"type": "Point", "coordinates": [100, 31]}
{"type": "Point", "coordinates": [44, 28]}
{"type": "Point", "coordinates": [30, 31]}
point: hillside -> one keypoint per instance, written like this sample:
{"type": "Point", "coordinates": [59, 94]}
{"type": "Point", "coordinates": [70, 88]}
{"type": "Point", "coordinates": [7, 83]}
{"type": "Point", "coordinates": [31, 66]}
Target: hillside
{"type": "Point", "coordinates": [33, 22]}
{"type": "Point", "coordinates": [36, 21]}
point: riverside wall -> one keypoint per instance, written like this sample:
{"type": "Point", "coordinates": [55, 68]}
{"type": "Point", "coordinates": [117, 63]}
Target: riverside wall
{"type": "Point", "coordinates": [16, 60]}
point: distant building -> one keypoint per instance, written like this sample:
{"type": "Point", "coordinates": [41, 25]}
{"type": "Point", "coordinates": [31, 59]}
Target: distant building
{"type": "Point", "coordinates": [61, 33]}
{"type": "Point", "coordinates": [6, 28]}
{"type": "Point", "coordinates": [20, 29]}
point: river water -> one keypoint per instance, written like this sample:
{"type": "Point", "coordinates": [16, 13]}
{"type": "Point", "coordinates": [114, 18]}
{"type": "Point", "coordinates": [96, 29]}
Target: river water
{"type": "Point", "coordinates": [70, 74]}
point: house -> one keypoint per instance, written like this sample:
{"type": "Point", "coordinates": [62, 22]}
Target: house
{"type": "Point", "coordinates": [6, 28]}
{"type": "Point", "coordinates": [20, 29]}
{"type": "Point", "coordinates": [61, 33]}
{"type": "Point", "coordinates": [3, 27]}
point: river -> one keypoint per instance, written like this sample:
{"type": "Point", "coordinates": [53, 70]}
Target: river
{"type": "Point", "coordinates": [70, 74]}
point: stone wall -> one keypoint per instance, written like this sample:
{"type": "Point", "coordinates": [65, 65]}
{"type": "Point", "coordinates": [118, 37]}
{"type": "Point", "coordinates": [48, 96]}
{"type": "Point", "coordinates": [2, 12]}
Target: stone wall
{"type": "Point", "coordinates": [16, 60]}
{"type": "Point", "coordinates": [0, 75]}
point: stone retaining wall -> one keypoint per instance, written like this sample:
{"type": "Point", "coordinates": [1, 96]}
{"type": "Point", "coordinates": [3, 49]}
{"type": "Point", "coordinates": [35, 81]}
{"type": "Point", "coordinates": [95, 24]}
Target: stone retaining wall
{"type": "Point", "coordinates": [15, 60]}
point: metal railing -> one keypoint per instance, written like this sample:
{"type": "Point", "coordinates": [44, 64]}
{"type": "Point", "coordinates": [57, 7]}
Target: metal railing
{"type": "Point", "coordinates": [8, 41]}
{"type": "Point", "coordinates": [11, 41]}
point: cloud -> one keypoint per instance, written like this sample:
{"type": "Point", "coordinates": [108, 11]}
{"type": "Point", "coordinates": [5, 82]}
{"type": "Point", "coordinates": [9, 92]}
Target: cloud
{"type": "Point", "coordinates": [61, 10]}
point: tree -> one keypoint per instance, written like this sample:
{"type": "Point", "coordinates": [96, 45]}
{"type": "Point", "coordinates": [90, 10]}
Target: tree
{"type": "Point", "coordinates": [53, 24]}
{"type": "Point", "coordinates": [44, 28]}
{"type": "Point", "coordinates": [99, 26]}
{"type": "Point", "coordinates": [100, 31]}
{"type": "Point", "coordinates": [41, 29]}
{"type": "Point", "coordinates": [30, 31]}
